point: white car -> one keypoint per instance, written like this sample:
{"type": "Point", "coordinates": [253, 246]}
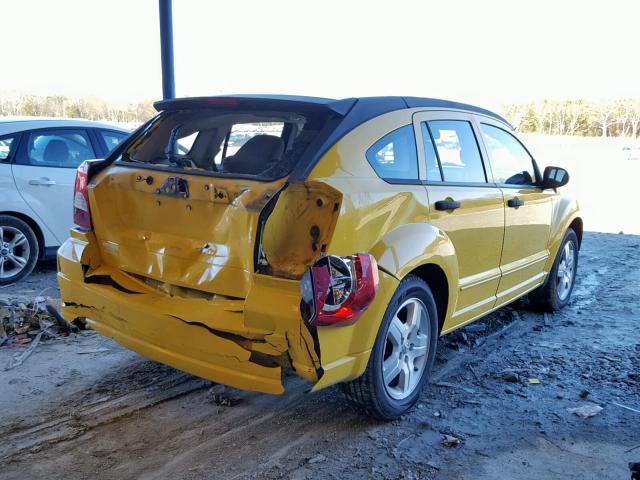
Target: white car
{"type": "Point", "coordinates": [38, 161]}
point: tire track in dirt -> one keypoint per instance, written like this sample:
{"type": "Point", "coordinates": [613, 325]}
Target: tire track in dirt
{"type": "Point", "coordinates": [69, 426]}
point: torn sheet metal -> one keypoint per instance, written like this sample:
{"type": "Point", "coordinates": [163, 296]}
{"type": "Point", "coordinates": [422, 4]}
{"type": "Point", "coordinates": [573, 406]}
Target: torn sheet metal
{"type": "Point", "coordinates": [204, 241]}
{"type": "Point", "coordinates": [299, 228]}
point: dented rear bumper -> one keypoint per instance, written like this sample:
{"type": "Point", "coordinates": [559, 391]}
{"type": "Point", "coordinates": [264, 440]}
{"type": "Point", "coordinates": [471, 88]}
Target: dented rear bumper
{"type": "Point", "coordinates": [244, 343]}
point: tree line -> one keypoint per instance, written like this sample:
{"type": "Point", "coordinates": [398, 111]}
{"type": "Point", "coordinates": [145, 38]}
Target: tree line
{"type": "Point", "coordinates": [86, 107]}
{"type": "Point", "coordinates": [604, 118]}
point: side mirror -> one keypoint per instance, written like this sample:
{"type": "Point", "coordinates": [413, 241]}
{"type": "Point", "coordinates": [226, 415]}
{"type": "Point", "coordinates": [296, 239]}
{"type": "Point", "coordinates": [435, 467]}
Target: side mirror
{"type": "Point", "coordinates": [554, 177]}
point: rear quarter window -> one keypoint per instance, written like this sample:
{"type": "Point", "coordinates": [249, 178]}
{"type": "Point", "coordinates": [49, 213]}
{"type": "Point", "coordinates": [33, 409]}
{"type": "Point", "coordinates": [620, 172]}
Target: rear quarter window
{"type": "Point", "coordinates": [394, 156]}
{"type": "Point", "coordinates": [112, 139]}
{"type": "Point", "coordinates": [5, 147]}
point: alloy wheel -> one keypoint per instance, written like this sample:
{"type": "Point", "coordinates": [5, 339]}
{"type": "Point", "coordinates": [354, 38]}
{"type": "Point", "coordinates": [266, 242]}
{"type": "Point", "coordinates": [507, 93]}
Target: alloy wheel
{"type": "Point", "coordinates": [14, 251]}
{"type": "Point", "coordinates": [566, 270]}
{"type": "Point", "coordinates": [406, 349]}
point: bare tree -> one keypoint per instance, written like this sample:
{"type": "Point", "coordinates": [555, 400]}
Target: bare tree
{"type": "Point", "coordinates": [541, 113]}
{"type": "Point", "coordinates": [560, 114]}
{"type": "Point", "coordinates": [604, 115]}
{"type": "Point", "coordinates": [575, 113]}
{"type": "Point", "coordinates": [625, 111]}
{"type": "Point", "coordinates": [634, 118]}
{"type": "Point", "coordinates": [516, 114]}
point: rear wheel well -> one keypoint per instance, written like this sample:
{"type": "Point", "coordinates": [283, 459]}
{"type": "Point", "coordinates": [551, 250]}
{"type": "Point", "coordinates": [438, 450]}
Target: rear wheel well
{"type": "Point", "coordinates": [34, 226]}
{"type": "Point", "coordinates": [577, 227]}
{"type": "Point", "coordinates": [435, 277]}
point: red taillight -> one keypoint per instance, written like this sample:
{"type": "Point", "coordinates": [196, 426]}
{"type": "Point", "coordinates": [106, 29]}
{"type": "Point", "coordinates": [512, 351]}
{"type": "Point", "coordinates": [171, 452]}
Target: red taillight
{"type": "Point", "coordinates": [223, 102]}
{"type": "Point", "coordinates": [81, 212]}
{"type": "Point", "coordinates": [336, 290]}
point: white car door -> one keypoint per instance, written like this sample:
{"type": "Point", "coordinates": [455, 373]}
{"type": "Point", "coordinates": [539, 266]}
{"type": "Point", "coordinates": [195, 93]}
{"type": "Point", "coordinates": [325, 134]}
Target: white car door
{"type": "Point", "coordinates": [45, 170]}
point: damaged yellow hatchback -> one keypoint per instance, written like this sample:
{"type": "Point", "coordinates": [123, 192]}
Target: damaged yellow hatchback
{"type": "Point", "coordinates": [236, 236]}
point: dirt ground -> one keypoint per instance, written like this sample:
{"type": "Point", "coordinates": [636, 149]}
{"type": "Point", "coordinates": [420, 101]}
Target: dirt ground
{"type": "Point", "coordinates": [82, 406]}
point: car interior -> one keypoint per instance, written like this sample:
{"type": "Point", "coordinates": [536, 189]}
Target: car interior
{"type": "Point", "coordinates": [250, 143]}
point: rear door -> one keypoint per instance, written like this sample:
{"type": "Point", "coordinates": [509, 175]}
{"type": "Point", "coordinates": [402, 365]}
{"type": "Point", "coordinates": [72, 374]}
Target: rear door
{"type": "Point", "coordinates": [528, 211]}
{"type": "Point", "coordinates": [465, 204]}
{"type": "Point", "coordinates": [45, 170]}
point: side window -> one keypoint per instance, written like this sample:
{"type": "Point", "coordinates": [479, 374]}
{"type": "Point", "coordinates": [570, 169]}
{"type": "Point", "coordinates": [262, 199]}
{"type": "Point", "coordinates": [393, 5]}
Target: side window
{"type": "Point", "coordinates": [58, 148]}
{"type": "Point", "coordinates": [112, 139]}
{"type": "Point", "coordinates": [510, 161]}
{"type": "Point", "coordinates": [394, 155]}
{"type": "Point", "coordinates": [457, 151]}
{"type": "Point", "coordinates": [5, 147]}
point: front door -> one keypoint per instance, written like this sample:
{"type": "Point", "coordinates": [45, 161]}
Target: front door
{"type": "Point", "coordinates": [45, 172]}
{"type": "Point", "coordinates": [465, 206]}
{"type": "Point", "coordinates": [528, 211]}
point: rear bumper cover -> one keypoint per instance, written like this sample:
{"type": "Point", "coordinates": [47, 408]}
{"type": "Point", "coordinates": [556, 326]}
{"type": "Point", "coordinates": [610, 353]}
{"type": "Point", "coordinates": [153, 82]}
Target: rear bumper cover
{"type": "Point", "coordinates": [241, 343]}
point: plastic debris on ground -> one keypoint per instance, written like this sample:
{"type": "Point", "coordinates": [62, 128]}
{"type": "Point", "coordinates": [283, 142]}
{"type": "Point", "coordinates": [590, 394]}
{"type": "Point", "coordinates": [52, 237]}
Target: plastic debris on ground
{"type": "Point", "coordinates": [586, 411]}
{"type": "Point", "coordinates": [450, 441]}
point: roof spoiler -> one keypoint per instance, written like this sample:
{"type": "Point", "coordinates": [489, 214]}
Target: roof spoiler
{"type": "Point", "coordinates": [260, 102]}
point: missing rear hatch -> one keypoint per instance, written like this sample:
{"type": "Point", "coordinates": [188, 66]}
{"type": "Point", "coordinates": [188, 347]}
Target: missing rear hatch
{"type": "Point", "coordinates": [262, 144]}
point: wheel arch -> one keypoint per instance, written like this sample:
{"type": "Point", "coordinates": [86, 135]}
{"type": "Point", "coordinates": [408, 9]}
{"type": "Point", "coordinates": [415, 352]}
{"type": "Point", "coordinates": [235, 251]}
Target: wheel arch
{"type": "Point", "coordinates": [34, 226]}
{"type": "Point", "coordinates": [577, 226]}
{"type": "Point", "coordinates": [566, 215]}
{"type": "Point", "coordinates": [436, 278]}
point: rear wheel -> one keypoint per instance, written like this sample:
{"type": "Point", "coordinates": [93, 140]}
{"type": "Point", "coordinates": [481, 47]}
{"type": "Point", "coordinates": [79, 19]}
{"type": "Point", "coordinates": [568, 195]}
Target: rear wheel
{"type": "Point", "coordinates": [555, 292]}
{"type": "Point", "coordinates": [402, 356]}
{"type": "Point", "coordinates": [18, 249]}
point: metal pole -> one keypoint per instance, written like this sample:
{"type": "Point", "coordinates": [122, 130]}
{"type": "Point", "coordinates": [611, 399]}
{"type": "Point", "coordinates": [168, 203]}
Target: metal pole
{"type": "Point", "coordinates": [166, 49]}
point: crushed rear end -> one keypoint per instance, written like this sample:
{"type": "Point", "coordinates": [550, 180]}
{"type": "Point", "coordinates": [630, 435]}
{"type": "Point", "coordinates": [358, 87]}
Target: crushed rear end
{"type": "Point", "coordinates": [191, 248]}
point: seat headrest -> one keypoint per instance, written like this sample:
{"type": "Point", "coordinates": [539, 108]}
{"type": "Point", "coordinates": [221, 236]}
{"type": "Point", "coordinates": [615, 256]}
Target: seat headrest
{"type": "Point", "coordinates": [253, 157]}
{"type": "Point", "coordinates": [56, 151]}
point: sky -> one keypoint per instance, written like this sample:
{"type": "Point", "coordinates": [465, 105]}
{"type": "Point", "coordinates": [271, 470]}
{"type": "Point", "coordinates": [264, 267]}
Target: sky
{"type": "Point", "coordinates": [486, 52]}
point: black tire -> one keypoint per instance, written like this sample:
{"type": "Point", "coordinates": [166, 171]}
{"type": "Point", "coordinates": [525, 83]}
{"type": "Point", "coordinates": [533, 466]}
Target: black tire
{"type": "Point", "coordinates": [8, 222]}
{"type": "Point", "coordinates": [546, 297]}
{"type": "Point", "coordinates": [368, 392]}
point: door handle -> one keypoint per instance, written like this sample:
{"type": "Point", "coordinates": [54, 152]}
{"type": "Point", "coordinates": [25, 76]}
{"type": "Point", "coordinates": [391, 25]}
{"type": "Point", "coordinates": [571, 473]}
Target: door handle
{"type": "Point", "coordinates": [515, 203]}
{"type": "Point", "coordinates": [447, 205]}
{"type": "Point", "coordinates": [42, 181]}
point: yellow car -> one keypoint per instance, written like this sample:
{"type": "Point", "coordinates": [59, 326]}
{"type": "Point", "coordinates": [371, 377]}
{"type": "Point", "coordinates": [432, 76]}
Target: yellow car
{"type": "Point", "coordinates": [233, 237]}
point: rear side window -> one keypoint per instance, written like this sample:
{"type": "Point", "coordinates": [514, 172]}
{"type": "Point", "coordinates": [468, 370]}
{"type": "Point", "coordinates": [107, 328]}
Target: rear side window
{"type": "Point", "coordinates": [394, 157]}
{"type": "Point", "coordinates": [59, 148]}
{"type": "Point", "coordinates": [510, 162]}
{"type": "Point", "coordinates": [458, 151]}
{"type": "Point", "coordinates": [264, 144]}
{"type": "Point", "coordinates": [112, 139]}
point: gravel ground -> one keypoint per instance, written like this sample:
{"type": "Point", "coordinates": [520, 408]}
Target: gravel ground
{"type": "Point", "coordinates": [42, 281]}
{"type": "Point", "coordinates": [501, 394]}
